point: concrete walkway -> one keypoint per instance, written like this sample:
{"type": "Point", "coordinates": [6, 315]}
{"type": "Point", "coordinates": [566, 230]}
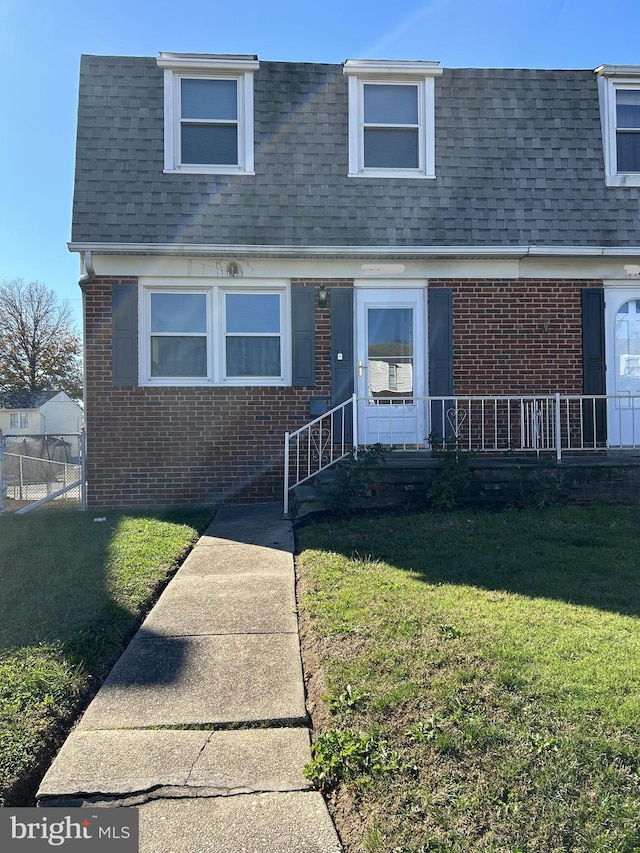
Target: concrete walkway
{"type": "Point", "coordinates": [202, 722]}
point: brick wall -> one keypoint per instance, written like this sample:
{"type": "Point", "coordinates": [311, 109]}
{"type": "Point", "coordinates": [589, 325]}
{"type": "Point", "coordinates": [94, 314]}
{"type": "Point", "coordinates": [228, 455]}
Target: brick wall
{"type": "Point", "coordinates": [500, 340]}
{"type": "Point", "coordinates": [157, 446]}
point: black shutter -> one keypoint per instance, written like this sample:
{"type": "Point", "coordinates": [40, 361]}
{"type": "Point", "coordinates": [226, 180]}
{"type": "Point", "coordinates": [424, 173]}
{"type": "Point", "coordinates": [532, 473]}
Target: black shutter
{"type": "Point", "coordinates": [440, 357]}
{"type": "Point", "coordinates": [124, 318]}
{"type": "Point", "coordinates": [303, 335]}
{"type": "Point", "coordinates": [342, 354]}
{"type": "Point", "coordinates": [593, 364]}
{"type": "Point", "coordinates": [341, 344]}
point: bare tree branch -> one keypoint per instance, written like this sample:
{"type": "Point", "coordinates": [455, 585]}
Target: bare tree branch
{"type": "Point", "coordinates": [39, 349]}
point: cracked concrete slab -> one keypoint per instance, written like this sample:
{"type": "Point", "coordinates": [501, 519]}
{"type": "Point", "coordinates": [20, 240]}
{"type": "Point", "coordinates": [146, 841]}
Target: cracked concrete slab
{"type": "Point", "coordinates": [229, 678]}
{"type": "Point", "coordinates": [227, 558]}
{"type": "Point", "coordinates": [278, 823]}
{"type": "Point", "coordinates": [242, 604]}
{"type": "Point", "coordinates": [220, 648]}
{"type": "Point", "coordinates": [122, 763]}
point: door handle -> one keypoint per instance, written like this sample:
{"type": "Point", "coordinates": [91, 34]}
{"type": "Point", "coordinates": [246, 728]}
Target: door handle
{"type": "Point", "coordinates": [360, 368]}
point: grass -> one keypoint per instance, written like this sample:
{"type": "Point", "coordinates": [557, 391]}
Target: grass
{"type": "Point", "coordinates": [72, 591]}
{"type": "Point", "coordinates": [483, 688]}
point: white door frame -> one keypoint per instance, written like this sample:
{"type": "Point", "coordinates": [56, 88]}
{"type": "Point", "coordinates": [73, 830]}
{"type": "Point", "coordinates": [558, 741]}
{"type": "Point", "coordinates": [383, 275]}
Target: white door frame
{"type": "Point", "coordinates": [397, 424]}
{"type": "Point", "coordinates": [623, 421]}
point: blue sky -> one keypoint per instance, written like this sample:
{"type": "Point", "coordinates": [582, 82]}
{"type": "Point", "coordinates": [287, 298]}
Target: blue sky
{"type": "Point", "coordinates": [41, 42]}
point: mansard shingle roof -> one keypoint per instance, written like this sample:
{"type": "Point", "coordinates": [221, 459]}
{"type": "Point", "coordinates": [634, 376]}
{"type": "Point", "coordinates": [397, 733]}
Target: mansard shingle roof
{"type": "Point", "coordinates": [519, 161]}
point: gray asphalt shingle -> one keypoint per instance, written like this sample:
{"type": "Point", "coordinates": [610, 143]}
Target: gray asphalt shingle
{"type": "Point", "coordinates": [518, 161]}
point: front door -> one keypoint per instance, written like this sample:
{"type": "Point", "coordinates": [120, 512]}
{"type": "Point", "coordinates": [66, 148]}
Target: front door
{"type": "Point", "coordinates": [622, 317]}
{"type": "Point", "coordinates": [390, 358]}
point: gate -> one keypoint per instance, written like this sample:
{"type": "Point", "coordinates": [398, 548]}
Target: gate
{"type": "Point", "coordinates": [37, 469]}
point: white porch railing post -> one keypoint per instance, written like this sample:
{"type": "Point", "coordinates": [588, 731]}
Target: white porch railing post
{"type": "Point", "coordinates": [286, 474]}
{"type": "Point", "coordinates": [559, 428]}
{"type": "Point", "coordinates": [354, 417]}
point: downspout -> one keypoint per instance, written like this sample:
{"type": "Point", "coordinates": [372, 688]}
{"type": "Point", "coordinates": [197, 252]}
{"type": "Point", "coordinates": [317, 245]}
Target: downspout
{"type": "Point", "coordinates": [89, 272]}
{"type": "Point", "coordinates": [88, 275]}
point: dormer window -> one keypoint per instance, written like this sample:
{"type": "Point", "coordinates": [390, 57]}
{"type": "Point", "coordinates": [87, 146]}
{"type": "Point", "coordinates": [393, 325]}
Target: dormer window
{"type": "Point", "coordinates": [619, 88]}
{"type": "Point", "coordinates": [209, 121]}
{"type": "Point", "coordinates": [628, 130]}
{"type": "Point", "coordinates": [391, 118]}
{"type": "Point", "coordinates": [391, 126]}
{"type": "Point", "coordinates": [208, 113]}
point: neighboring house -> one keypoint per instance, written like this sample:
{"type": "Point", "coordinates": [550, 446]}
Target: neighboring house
{"type": "Point", "coordinates": [40, 413]}
{"type": "Point", "coordinates": [260, 240]}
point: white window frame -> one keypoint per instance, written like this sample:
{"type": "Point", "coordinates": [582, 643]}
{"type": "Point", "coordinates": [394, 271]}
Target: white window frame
{"type": "Point", "coordinates": [19, 420]}
{"type": "Point", "coordinates": [146, 341]}
{"type": "Point", "coordinates": [611, 78]}
{"type": "Point", "coordinates": [285, 363]}
{"type": "Point", "coordinates": [183, 66]}
{"type": "Point", "coordinates": [216, 332]}
{"type": "Point", "coordinates": [419, 74]}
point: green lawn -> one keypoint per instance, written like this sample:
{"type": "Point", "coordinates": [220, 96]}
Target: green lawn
{"type": "Point", "coordinates": [72, 591]}
{"type": "Point", "coordinates": [483, 679]}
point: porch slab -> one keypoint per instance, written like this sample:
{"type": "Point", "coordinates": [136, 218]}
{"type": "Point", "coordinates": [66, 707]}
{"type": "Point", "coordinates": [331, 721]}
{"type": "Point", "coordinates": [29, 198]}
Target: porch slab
{"type": "Point", "coordinates": [231, 678]}
{"type": "Point", "coordinates": [218, 763]}
{"type": "Point", "coordinates": [235, 558]}
{"type": "Point", "coordinates": [232, 604]}
{"type": "Point", "coordinates": [278, 823]}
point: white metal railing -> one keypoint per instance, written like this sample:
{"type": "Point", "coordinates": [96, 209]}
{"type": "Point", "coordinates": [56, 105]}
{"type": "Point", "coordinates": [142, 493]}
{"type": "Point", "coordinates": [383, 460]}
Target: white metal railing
{"type": "Point", "coordinates": [540, 423]}
{"type": "Point", "coordinates": [318, 445]}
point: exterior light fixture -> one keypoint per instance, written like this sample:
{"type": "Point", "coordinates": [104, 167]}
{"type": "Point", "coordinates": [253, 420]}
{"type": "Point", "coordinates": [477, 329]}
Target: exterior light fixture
{"type": "Point", "coordinates": [323, 297]}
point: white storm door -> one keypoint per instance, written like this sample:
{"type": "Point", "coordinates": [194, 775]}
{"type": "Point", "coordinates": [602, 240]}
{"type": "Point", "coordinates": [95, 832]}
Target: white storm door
{"type": "Point", "coordinates": [622, 341]}
{"type": "Point", "coordinates": [390, 366]}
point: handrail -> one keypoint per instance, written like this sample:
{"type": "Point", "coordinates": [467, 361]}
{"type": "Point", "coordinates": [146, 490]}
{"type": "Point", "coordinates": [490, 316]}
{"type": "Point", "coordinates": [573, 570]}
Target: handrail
{"type": "Point", "coordinates": [318, 445]}
{"type": "Point", "coordinates": [529, 423]}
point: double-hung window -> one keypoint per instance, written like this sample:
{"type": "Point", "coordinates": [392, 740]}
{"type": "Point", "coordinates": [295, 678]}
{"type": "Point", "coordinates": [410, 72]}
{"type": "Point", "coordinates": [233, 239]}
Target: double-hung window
{"type": "Point", "coordinates": [253, 335]}
{"type": "Point", "coordinates": [215, 334]}
{"type": "Point", "coordinates": [19, 420]}
{"type": "Point", "coordinates": [619, 88]}
{"type": "Point", "coordinates": [628, 130]}
{"type": "Point", "coordinates": [208, 113]}
{"type": "Point", "coordinates": [179, 339]}
{"type": "Point", "coordinates": [208, 121]}
{"type": "Point", "coordinates": [391, 126]}
{"type": "Point", "coordinates": [391, 118]}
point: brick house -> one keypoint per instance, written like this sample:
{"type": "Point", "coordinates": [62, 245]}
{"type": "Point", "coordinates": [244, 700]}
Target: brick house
{"type": "Point", "coordinates": [262, 240]}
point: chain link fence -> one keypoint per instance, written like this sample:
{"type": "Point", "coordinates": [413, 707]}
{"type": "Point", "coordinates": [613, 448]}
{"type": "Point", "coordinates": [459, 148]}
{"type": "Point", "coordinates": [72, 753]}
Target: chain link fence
{"type": "Point", "coordinates": [37, 469]}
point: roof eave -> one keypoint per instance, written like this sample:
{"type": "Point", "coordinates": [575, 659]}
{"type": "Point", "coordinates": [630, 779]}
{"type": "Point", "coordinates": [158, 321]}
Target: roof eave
{"type": "Point", "coordinates": [388, 252]}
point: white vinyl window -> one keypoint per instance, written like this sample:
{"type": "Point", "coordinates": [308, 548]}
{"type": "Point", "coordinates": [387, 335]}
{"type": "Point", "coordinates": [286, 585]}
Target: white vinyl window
{"type": "Point", "coordinates": [253, 335]}
{"type": "Point", "coordinates": [208, 114]}
{"type": "Point", "coordinates": [19, 420]}
{"type": "Point", "coordinates": [215, 335]}
{"type": "Point", "coordinates": [391, 118]}
{"type": "Point", "coordinates": [620, 114]}
{"type": "Point", "coordinates": [179, 335]}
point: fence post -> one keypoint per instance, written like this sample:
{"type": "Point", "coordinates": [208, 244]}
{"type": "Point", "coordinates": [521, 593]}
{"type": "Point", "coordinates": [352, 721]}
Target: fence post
{"type": "Point", "coordinates": [286, 474]}
{"type": "Point", "coordinates": [83, 470]}
{"type": "Point", "coordinates": [559, 430]}
{"type": "Point", "coordinates": [1, 473]}
{"type": "Point", "coordinates": [354, 416]}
